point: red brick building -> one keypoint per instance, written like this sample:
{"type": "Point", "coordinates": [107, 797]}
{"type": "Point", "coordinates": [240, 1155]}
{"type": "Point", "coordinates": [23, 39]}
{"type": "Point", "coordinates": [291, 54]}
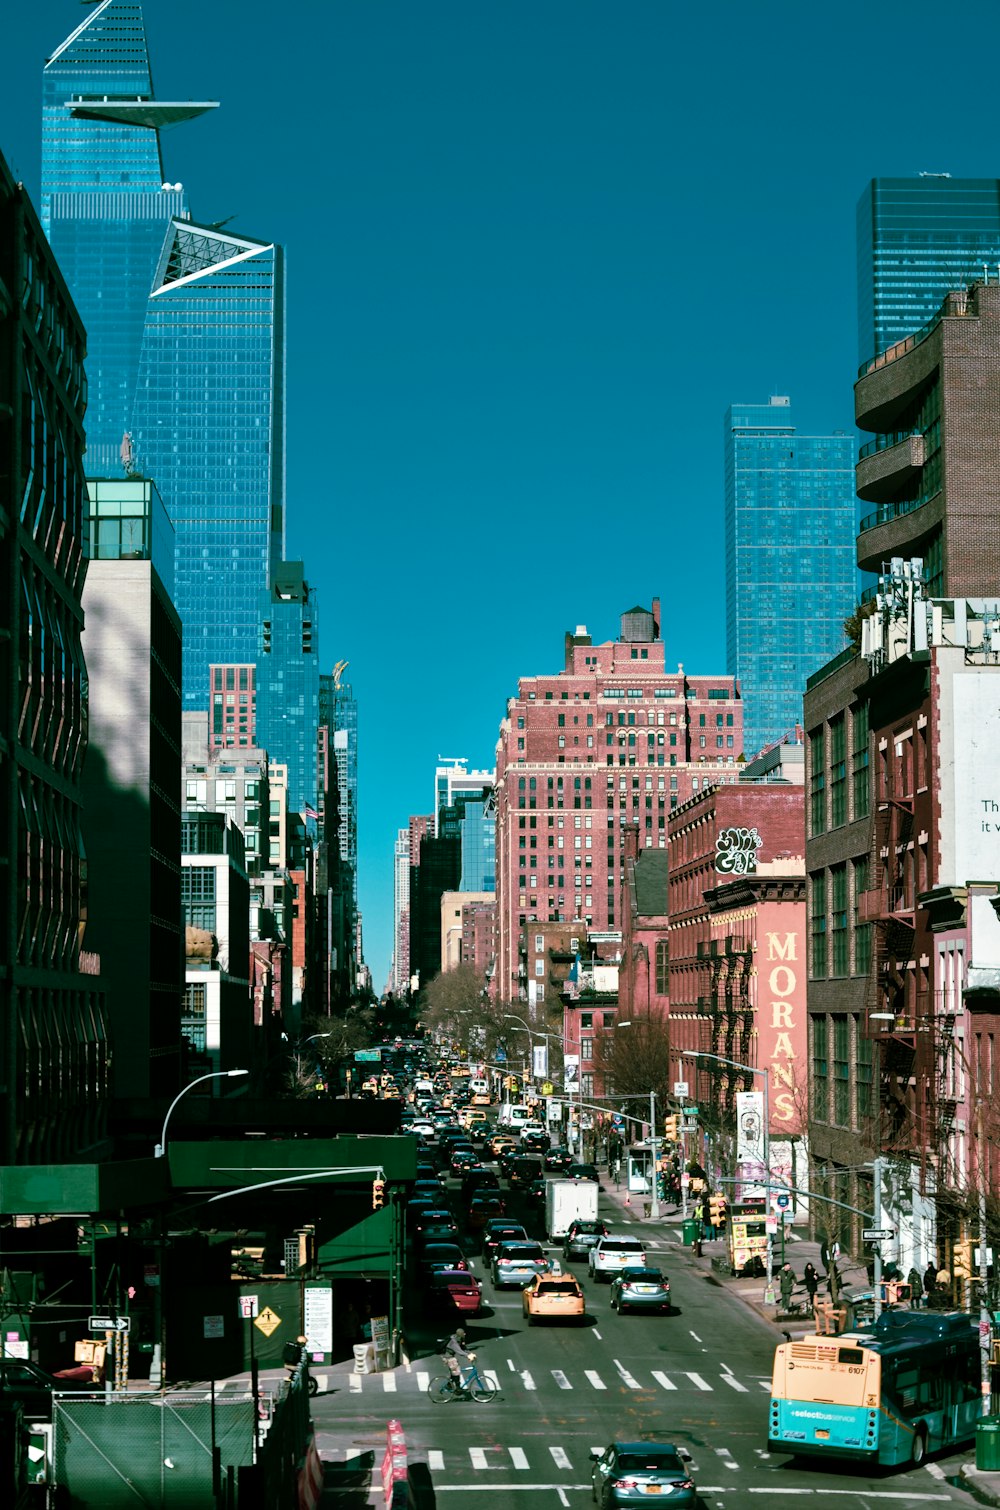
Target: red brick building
{"type": "Point", "coordinates": [737, 976]}
{"type": "Point", "coordinates": [611, 741]}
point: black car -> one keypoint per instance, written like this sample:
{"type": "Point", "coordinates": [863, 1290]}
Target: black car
{"type": "Point", "coordinates": [479, 1182]}
{"type": "Point", "coordinates": [524, 1170]}
{"type": "Point", "coordinates": [34, 1388]}
{"type": "Point", "coordinates": [558, 1158]}
{"type": "Point", "coordinates": [581, 1236]}
{"type": "Point", "coordinates": [581, 1172]}
{"type": "Point", "coordinates": [499, 1232]}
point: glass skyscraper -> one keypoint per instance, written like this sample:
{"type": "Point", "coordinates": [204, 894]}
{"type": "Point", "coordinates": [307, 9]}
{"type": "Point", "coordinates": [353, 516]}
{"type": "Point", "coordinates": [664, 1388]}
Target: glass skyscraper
{"type": "Point", "coordinates": [791, 578]}
{"type": "Point", "coordinates": [288, 681]}
{"type": "Point", "coordinates": [919, 238]}
{"type": "Point", "coordinates": [105, 204]}
{"type": "Point", "coordinates": [208, 425]}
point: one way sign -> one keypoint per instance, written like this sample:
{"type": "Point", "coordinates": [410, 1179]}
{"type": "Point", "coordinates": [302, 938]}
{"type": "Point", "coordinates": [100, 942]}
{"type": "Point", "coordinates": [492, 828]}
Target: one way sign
{"type": "Point", "coordinates": [110, 1323]}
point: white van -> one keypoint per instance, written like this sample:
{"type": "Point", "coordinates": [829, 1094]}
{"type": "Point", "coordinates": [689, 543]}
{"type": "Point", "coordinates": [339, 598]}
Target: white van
{"type": "Point", "coordinates": [479, 1085]}
{"type": "Point", "coordinates": [513, 1115]}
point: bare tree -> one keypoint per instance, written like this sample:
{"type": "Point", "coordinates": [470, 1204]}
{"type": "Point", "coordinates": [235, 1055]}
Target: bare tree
{"type": "Point", "coordinates": [635, 1060]}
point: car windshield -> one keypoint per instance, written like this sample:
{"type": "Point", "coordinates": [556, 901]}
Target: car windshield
{"type": "Point", "coordinates": [650, 1462]}
{"type": "Point", "coordinates": [519, 1252]}
{"type": "Point", "coordinates": [620, 1245]}
{"type": "Point", "coordinates": [588, 1229]}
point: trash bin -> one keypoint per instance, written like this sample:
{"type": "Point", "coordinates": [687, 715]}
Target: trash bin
{"type": "Point", "coordinates": [362, 1357]}
{"type": "Point", "coordinates": [988, 1444]}
{"type": "Point", "coordinates": [690, 1232]}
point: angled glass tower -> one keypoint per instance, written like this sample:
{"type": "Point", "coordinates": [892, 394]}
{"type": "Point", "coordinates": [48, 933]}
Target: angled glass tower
{"type": "Point", "coordinates": [791, 578]}
{"type": "Point", "coordinates": [208, 425]}
{"type": "Point", "coordinates": [105, 204]}
{"type": "Point", "coordinates": [919, 238]}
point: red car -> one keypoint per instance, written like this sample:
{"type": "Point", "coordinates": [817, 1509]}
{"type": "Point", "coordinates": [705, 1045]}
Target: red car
{"type": "Point", "coordinates": [455, 1290]}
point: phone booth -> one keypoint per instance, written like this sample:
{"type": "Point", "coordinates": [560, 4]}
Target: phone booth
{"type": "Point", "coordinates": [639, 1169]}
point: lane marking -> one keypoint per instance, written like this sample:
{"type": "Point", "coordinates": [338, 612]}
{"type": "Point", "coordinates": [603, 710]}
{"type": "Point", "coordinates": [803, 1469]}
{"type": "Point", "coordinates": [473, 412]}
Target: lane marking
{"type": "Point", "coordinates": [435, 1460]}
{"type": "Point", "coordinates": [935, 1470]}
{"type": "Point", "coordinates": [695, 1336]}
{"type": "Point", "coordinates": [699, 1382]}
{"type": "Point", "coordinates": [562, 1496]}
{"type": "Point", "coordinates": [596, 1335]}
{"type": "Point", "coordinates": [662, 1380]}
{"type": "Point", "coordinates": [559, 1457]}
{"type": "Point", "coordinates": [734, 1383]}
{"type": "Point", "coordinates": [527, 1380]}
{"type": "Point", "coordinates": [354, 1383]}
{"type": "Point", "coordinates": [477, 1456]}
{"type": "Point", "coordinates": [389, 1384]}
{"type": "Point", "coordinates": [627, 1379]}
{"type": "Point", "coordinates": [518, 1457]}
{"type": "Point", "coordinates": [482, 1488]}
{"type": "Point", "coordinates": [595, 1380]}
{"type": "Point", "coordinates": [561, 1379]}
{"type": "Point", "coordinates": [765, 1384]}
{"type": "Point", "coordinates": [510, 1365]}
{"type": "Point", "coordinates": [727, 1462]}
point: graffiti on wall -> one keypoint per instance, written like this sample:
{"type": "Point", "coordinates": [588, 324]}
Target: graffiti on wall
{"type": "Point", "coordinates": [736, 851]}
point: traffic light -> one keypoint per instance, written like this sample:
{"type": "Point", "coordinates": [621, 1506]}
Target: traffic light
{"type": "Point", "coordinates": [717, 1210]}
{"type": "Point", "coordinates": [672, 1128]}
{"type": "Point", "coordinates": [961, 1261]}
{"type": "Point", "coordinates": [378, 1194]}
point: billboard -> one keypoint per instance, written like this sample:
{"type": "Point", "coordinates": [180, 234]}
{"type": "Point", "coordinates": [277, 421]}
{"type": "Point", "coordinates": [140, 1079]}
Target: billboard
{"type": "Point", "coordinates": [571, 1073]}
{"type": "Point", "coordinates": [540, 1061]}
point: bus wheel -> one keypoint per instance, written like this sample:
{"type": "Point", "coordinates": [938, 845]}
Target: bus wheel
{"type": "Point", "coordinates": [919, 1449]}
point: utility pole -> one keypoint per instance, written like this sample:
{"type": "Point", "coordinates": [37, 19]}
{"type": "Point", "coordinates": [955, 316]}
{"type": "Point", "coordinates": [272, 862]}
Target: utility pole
{"type": "Point", "coordinates": [654, 1204]}
{"type": "Point", "coordinates": [877, 1215]}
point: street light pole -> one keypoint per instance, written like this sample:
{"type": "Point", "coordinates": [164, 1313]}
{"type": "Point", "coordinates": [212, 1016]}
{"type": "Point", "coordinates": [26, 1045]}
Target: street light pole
{"type": "Point", "coordinates": [751, 1069]}
{"type": "Point", "coordinates": [654, 1143]}
{"type": "Point", "coordinates": [161, 1147]}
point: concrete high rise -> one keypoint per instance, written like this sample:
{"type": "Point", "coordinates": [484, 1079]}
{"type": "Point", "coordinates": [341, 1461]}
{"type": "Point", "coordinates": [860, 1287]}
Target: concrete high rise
{"type": "Point", "coordinates": [131, 781]}
{"type": "Point", "coordinates": [791, 581]}
{"type": "Point", "coordinates": [53, 1032]}
{"type": "Point", "coordinates": [611, 740]}
{"type": "Point", "coordinates": [919, 238]}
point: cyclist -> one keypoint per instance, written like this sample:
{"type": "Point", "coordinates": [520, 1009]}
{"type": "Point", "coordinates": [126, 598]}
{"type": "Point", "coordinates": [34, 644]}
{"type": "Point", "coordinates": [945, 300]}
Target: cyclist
{"type": "Point", "coordinates": [458, 1357]}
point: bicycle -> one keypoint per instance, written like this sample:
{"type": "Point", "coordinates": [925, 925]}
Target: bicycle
{"type": "Point", "coordinates": [462, 1385]}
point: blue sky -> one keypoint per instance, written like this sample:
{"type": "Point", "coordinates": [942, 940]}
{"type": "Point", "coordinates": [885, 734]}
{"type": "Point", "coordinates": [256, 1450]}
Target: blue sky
{"type": "Point", "coordinates": [535, 250]}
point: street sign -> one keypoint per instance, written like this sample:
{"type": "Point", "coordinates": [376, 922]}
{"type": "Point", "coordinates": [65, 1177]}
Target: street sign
{"type": "Point", "coordinates": [248, 1307]}
{"type": "Point", "coordinates": [877, 1234]}
{"type": "Point", "coordinates": [680, 1087]}
{"type": "Point", "coordinates": [364, 1056]}
{"type": "Point", "coordinates": [110, 1323]}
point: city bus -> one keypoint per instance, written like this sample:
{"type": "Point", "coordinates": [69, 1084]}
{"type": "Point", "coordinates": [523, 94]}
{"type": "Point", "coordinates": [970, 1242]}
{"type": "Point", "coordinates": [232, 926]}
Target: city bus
{"type": "Point", "coordinates": [908, 1386]}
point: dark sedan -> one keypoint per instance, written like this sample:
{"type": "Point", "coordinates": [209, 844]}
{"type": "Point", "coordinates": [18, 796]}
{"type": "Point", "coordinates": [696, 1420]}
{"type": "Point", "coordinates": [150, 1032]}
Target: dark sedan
{"type": "Point", "coordinates": [628, 1472]}
{"type": "Point", "coordinates": [558, 1158]}
{"type": "Point", "coordinates": [437, 1256]}
{"type": "Point", "coordinates": [581, 1172]}
{"type": "Point", "coordinates": [34, 1388]}
{"type": "Point", "coordinates": [500, 1232]}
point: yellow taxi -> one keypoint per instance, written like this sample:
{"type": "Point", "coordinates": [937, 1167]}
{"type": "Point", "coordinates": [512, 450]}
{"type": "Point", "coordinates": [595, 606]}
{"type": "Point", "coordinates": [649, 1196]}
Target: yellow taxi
{"type": "Point", "coordinates": [553, 1297]}
{"type": "Point", "coordinates": [471, 1116]}
{"type": "Point", "coordinates": [499, 1142]}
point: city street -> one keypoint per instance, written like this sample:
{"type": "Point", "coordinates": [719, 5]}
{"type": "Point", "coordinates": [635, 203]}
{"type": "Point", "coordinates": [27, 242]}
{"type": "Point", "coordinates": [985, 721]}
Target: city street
{"type": "Point", "coordinates": [698, 1378]}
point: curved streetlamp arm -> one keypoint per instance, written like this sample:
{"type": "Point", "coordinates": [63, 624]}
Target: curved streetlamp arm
{"type": "Point", "coordinates": [160, 1149]}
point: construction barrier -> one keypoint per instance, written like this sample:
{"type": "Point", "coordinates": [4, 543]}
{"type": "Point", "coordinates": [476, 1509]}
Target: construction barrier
{"type": "Point", "coordinates": [395, 1469]}
{"type": "Point", "coordinates": [830, 1319]}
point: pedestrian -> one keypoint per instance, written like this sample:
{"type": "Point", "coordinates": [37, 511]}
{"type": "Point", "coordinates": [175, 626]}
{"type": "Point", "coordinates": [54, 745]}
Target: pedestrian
{"type": "Point", "coordinates": [811, 1281]}
{"type": "Point", "coordinates": [930, 1282]}
{"type": "Point", "coordinates": [916, 1285]}
{"type": "Point", "coordinates": [786, 1282]}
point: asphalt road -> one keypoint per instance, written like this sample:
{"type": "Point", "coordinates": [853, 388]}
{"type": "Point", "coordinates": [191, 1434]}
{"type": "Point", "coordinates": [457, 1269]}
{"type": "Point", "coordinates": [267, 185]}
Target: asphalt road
{"type": "Point", "coordinates": [698, 1378]}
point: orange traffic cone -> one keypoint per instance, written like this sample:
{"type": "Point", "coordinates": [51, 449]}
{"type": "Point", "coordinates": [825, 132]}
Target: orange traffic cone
{"type": "Point", "coordinates": [628, 1199]}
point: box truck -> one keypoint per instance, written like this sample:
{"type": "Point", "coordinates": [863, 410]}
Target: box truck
{"type": "Point", "coordinates": [569, 1201]}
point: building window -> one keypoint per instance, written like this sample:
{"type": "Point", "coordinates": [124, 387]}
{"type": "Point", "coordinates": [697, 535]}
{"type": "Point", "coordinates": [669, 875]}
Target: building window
{"type": "Point", "coordinates": [193, 1015]}
{"type": "Point", "coordinates": [662, 967]}
{"type": "Point", "coordinates": [865, 1066]}
{"type": "Point", "coordinates": [817, 782]}
{"type": "Point", "coordinates": [841, 1069]}
{"type": "Point", "coordinates": [586, 1019]}
{"type": "Point", "coordinates": [817, 923]}
{"type": "Point", "coordinates": [838, 772]}
{"type": "Point", "coordinates": [839, 937]}
{"type": "Point", "coordinates": [587, 1086]}
{"type": "Point", "coordinates": [859, 761]}
{"type": "Point", "coordinates": [862, 931]}
{"type": "Point", "coordinates": [198, 896]}
{"type": "Point", "coordinates": [820, 1069]}
{"type": "Point", "coordinates": [586, 1049]}
{"type": "Point", "coordinates": [539, 967]}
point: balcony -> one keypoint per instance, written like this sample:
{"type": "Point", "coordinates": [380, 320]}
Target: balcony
{"type": "Point", "coordinates": [889, 465]}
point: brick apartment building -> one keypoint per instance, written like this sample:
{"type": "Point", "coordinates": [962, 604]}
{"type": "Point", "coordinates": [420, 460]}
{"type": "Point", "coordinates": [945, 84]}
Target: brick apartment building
{"type": "Point", "coordinates": [611, 741]}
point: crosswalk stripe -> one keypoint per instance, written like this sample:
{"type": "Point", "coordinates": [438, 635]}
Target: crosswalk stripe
{"type": "Point", "coordinates": [765, 1384]}
{"type": "Point", "coordinates": [561, 1380]}
{"type": "Point", "coordinates": [478, 1457]}
{"type": "Point", "coordinates": [734, 1383]}
{"type": "Point", "coordinates": [354, 1383]}
{"type": "Point", "coordinates": [527, 1380]}
{"type": "Point", "coordinates": [491, 1378]}
{"type": "Point", "coordinates": [435, 1460]}
{"type": "Point", "coordinates": [423, 1380]}
{"type": "Point", "coordinates": [627, 1379]}
{"type": "Point", "coordinates": [559, 1457]}
{"type": "Point", "coordinates": [699, 1382]}
{"type": "Point", "coordinates": [662, 1380]}
{"type": "Point", "coordinates": [518, 1457]}
{"type": "Point", "coordinates": [389, 1383]}
{"type": "Point", "coordinates": [595, 1379]}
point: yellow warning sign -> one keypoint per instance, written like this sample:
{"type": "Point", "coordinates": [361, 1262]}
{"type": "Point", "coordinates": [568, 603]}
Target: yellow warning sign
{"type": "Point", "coordinates": [267, 1321]}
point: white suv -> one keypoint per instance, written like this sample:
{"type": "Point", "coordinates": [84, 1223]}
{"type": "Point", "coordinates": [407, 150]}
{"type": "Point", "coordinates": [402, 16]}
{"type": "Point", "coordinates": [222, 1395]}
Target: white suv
{"type": "Point", "coordinates": [612, 1254]}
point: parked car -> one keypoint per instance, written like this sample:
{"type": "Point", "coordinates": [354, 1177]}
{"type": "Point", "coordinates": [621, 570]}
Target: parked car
{"type": "Point", "coordinates": [517, 1263]}
{"type": "Point", "coordinates": [557, 1158]}
{"type": "Point", "coordinates": [627, 1472]}
{"type": "Point", "coordinates": [610, 1254]}
{"type": "Point", "coordinates": [641, 1289]}
{"type": "Point", "coordinates": [34, 1388]}
{"type": "Point", "coordinates": [453, 1290]}
{"type": "Point", "coordinates": [553, 1297]}
{"type": "Point", "coordinates": [581, 1236]}
{"type": "Point", "coordinates": [502, 1231]}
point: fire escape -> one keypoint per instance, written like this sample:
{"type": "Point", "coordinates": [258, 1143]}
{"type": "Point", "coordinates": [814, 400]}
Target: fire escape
{"type": "Point", "coordinates": [729, 1011]}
